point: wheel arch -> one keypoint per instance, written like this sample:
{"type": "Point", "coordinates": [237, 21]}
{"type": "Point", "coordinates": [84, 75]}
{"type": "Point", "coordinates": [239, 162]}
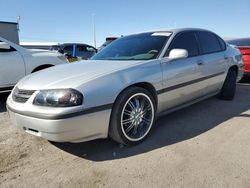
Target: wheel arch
{"type": "Point", "coordinates": [234, 68]}
{"type": "Point", "coordinates": [40, 67]}
{"type": "Point", "coordinates": [145, 85]}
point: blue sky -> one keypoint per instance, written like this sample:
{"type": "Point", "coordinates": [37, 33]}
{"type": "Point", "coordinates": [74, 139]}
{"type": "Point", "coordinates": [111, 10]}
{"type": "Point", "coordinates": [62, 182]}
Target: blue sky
{"type": "Point", "coordinates": [71, 20]}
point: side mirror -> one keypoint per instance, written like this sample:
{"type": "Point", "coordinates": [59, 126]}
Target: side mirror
{"type": "Point", "coordinates": [178, 54]}
{"type": "Point", "coordinates": [4, 46]}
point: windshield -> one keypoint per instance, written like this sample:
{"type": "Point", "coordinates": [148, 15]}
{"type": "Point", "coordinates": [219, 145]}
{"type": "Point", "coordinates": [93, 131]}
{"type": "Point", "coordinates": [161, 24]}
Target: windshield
{"type": "Point", "coordinates": [135, 47]}
{"type": "Point", "coordinates": [52, 48]}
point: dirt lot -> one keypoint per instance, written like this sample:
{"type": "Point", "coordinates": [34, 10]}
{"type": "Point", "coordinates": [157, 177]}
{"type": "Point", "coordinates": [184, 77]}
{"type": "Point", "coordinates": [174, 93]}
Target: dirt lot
{"type": "Point", "coordinates": [204, 145]}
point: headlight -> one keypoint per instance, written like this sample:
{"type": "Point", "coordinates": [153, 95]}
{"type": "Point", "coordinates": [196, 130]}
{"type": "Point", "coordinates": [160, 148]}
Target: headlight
{"type": "Point", "coordinates": [59, 98]}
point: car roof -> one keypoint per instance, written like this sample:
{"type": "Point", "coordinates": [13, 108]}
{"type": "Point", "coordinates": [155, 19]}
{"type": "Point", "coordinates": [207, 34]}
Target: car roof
{"type": "Point", "coordinates": [240, 42]}
{"type": "Point", "coordinates": [239, 39]}
{"type": "Point", "coordinates": [65, 44]}
{"type": "Point", "coordinates": [68, 44]}
{"type": "Point", "coordinates": [175, 30]}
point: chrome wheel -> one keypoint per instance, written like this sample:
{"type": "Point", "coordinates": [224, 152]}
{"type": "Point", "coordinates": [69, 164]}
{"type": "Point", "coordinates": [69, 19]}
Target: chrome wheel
{"type": "Point", "coordinates": [137, 117]}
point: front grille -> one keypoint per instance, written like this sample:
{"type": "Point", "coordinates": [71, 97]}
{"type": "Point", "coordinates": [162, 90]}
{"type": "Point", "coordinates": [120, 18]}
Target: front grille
{"type": "Point", "coordinates": [20, 95]}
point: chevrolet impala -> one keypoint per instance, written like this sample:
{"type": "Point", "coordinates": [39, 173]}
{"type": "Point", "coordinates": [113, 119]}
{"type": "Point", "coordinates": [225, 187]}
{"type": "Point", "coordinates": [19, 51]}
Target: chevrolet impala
{"type": "Point", "coordinates": [123, 88]}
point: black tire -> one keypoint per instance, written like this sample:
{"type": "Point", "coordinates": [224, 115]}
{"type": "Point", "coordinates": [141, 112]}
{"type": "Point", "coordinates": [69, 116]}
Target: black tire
{"type": "Point", "coordinates": [140, 119]}
{"type": "Point", "coordinates": [229, 86]}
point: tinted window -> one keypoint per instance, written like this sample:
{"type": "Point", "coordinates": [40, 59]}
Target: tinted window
{"type": "Point", "coordinates": [209, 42]}
{"type": "Point", "coordinates": [185, 41]}
{"type": "Point", "coordinates": [81, 48]}
{"type": "Point", "coordinates": [222, 43]}
{"type": "Point", "coordinates": [68, 48]}
{"type": "Point", "coordinates": [143, 46]}
{"type": "Point", "coordinates": [240, 42]}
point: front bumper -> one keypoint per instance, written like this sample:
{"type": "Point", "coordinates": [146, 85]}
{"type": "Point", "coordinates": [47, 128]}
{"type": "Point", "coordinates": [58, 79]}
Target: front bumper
{"type": "Point", "coordinates": [74, 129]}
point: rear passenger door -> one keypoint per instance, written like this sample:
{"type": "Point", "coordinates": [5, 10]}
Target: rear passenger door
{"type": "Point", "coordinates": [214, 59]}
{"type": "Point", "coordinates": [182, 78]}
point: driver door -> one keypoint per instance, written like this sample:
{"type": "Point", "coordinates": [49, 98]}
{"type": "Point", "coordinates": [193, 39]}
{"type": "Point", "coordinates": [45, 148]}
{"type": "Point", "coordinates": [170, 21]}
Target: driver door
{"type": "Point", "coordinates": [182, 78]}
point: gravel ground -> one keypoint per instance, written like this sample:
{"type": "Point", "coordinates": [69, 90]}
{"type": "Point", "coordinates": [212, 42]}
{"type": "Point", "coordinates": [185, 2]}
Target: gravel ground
{"type": "Point", "coordinates": [204, 145]}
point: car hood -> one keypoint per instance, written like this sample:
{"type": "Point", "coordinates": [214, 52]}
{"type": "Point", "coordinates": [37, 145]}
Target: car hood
{"type": "Point", "coordinates": [72, 75]}
{"type": "Point", "coordinates": [36, 50]}
{"type": "Point", "coordinates": [40, 52]}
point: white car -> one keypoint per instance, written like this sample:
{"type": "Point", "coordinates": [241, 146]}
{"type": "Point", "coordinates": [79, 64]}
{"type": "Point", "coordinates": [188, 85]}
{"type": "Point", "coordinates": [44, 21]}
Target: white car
{"type": "Point", "coordinates": [17, 62]}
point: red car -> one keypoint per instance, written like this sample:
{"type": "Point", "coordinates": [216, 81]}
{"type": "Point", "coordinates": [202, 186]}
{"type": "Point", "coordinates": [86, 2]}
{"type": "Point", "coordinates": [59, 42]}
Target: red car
{"type": "Point", "coordinates": [244, 45]}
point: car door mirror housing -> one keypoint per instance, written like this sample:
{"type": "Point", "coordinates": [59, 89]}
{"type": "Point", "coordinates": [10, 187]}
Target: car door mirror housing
{"type": "Point", "coordinates": [178, 54]}
{"type": "Point", "coordinates": [4, 46]}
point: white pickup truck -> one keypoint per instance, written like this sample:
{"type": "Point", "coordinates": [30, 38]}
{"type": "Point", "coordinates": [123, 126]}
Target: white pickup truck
{"type": "Point", "coordinates": [17, 62]}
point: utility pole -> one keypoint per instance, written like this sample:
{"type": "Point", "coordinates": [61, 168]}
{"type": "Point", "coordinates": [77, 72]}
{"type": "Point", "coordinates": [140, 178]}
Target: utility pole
{"type": "Point", "coordinates": [93, 24]}
{"type": "Point", "coordinates": [18, 18]}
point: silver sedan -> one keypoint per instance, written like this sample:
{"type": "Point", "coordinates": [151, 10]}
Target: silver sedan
{"type": "Point", "coordinates": [124, 87]}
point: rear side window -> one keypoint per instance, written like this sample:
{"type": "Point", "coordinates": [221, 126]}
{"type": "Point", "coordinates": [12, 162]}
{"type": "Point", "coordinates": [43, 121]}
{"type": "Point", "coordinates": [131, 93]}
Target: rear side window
{"type": "Point", "coordinates": [222, 44]}
{"type": "Point", "coordinates": [209, 42]}
{"type": "Point", "coordinates": [186, 41]}
{"type": "Point", "coordinates": [90, 49]}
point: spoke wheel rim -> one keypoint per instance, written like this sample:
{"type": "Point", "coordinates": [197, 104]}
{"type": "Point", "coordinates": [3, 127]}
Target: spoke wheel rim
{"type": "Point", "coordinates": [137, 117]}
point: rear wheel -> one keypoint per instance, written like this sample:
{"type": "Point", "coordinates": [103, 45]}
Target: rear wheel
{"type": "Point", "coordinates": [229, 86]}
{"type": "Point", "coordinates": [132, 116]}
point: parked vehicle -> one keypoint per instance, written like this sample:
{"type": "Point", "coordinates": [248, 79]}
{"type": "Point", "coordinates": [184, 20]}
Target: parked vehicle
{"type": "Point", "coordinates": [121, 90]}
{"type": "Point", "coordinates": [74, 50]}
{"type": "Point", "coordinates": [244, 45]}
{"type": "Point", "coordinates": [16, 62]}
{"type": "Point", "coordinates": [107, 42]}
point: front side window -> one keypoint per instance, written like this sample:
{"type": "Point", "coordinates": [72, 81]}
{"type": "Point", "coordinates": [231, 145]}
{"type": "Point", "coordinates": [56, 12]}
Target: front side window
{"type": "Point", "coordinates": [81, 48]}
{"type": "Point", "coordinates": [144, 46]}
{"type": "Point", "coordinates": [185, 41]}
{"type": "Point", "coordinates": [68, 50]}
{"type": "Point", "coordinates": [209, 42]}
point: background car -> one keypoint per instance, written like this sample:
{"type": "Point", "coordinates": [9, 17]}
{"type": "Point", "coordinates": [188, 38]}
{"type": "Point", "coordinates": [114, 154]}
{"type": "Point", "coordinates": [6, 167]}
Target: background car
{"type": "Point", "coordinates": [121, 90]}
{"type": "Point", "coordinates": [244, 45]}
{"type": "Point", "coordinates": [17, 62]}
{"type": "Point", "coordinates": [107, 42]}
{"type": "Point", "coordinates": [73, 50]}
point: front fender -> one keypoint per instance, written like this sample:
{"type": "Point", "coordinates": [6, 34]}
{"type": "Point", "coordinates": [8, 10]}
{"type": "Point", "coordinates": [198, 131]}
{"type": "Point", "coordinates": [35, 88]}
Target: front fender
{"type": "Point", "coordinates": [105, 89]}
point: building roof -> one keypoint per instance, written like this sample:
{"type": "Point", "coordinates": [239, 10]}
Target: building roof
{"type": "Point", "coordinates": [4, 22]}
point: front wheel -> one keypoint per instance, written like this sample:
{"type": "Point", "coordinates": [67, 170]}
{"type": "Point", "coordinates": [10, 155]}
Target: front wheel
{"type": "Point", "coordinates": [132, 116]}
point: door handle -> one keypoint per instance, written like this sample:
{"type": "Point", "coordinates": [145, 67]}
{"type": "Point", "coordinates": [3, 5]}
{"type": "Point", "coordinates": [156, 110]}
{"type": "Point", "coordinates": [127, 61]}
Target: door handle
{"type": "Point", "coordinates": [200, 62]}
